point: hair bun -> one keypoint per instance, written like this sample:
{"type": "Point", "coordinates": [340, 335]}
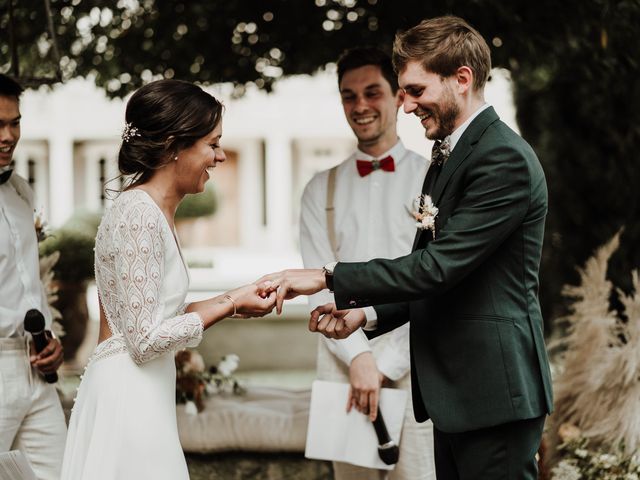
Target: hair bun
{"type": "Point", "coordinates": [162, 118]}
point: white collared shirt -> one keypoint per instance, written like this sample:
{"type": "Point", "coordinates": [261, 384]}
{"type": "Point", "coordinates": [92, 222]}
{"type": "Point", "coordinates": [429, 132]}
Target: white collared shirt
{"type": "Point", "coordinates": [372, 220]}
{"type": "Point", "coordinates": [457, 133]}
{"type": "Point", "coordinates": [20, 286]}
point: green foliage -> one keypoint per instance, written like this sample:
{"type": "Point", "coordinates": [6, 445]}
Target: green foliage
{"type": "Point", "coordinates": [580, 462]}
{"type": "Point", "coordinates": [578, 104]}
{"type": "Point", "coordinates": [84, 221]}
{"type": "Point", "coordinates": [75, 241]}
{"type": "Point", "coordinates": [199, 205]}
{"type": "Point", "coordinates": [76, 254]}
{"type": "Point", "coordinates": [244, 42]}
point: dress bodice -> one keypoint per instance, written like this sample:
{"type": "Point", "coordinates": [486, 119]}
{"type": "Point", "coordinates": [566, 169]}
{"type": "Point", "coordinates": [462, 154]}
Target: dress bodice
{"type": "Point", "coordinates": [142, 281]}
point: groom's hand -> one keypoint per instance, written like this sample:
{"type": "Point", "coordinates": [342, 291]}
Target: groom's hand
{"type": "Point", "coordinates": [289, 284]}
{"type": "Point", "coordinates": [333, 323]}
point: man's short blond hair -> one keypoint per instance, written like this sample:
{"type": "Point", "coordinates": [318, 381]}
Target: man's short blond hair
{"type": "Point", "coordinates": [442, 45]}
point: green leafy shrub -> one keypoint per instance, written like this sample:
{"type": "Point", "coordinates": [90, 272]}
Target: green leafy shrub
{"type": "Point", "coordinates": [84, 221]}
{"type": "Point", "coordinates": [199, 205]}
{"type": "Point", "coordinates": [75, 241]}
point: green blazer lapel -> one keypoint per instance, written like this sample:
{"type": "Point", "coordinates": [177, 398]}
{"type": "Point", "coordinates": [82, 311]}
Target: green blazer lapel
{"type": "Point", "coordinates": [459, 154]}
{"type": "Point", "coordinates": [462, 150]}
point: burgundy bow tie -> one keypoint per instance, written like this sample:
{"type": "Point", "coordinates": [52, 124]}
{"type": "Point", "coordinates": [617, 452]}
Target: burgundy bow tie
{"type": "Point", "coordinates": [365, 167]}
{"type": "Point", "coordinates": [4, 176]}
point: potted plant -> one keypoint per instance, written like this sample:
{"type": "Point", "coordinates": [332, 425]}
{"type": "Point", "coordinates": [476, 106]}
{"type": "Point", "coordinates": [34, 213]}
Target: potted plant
{"type": "Point", "coordinates": [192, 213]}
{"type": "Point", "coordinates": [72, 272]}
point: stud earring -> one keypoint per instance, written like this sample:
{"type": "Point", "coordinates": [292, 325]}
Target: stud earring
{"type": "Point", "coordinates": [175, 158]}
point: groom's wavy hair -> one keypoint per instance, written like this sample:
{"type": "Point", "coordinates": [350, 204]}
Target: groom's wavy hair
{"type": "Point", "coordinates": [163, 118]}
{"type": "Point", "coordinates": [442, 45]}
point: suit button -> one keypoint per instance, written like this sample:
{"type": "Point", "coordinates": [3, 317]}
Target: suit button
{"type": "Point", "coordinates": [353, 303]}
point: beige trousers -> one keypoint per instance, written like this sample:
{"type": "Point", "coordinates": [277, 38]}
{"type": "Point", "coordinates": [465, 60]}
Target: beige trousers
{"type": "Point", "coordinates": [31, 417]}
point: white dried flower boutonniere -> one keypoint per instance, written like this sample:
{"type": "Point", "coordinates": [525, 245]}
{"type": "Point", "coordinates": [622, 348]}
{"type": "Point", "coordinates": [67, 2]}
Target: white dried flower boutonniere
{"type": "Point", "coordinates": [41, 226]}
{"type": "Point", "coordinates": [425, 212]}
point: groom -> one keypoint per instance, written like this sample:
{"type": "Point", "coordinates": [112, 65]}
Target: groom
{"type": "Point", "coordinates": [470, 286]}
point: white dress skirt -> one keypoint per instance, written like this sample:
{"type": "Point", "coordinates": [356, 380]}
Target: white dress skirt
{"type": "Point", "coordinates": [123, 424]}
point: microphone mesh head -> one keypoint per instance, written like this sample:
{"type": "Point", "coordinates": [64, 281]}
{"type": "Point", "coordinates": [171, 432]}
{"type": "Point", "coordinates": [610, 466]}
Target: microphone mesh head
{"type": "Point", "coordinates": [389, 455]}
{"type": "Point", "coordinates": [33, 321]}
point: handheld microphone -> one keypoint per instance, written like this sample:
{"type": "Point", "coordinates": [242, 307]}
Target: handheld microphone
{"type": "Point", "coordinates": [388, 451]}
{"type": "Point", "coordinates": [34, 324]}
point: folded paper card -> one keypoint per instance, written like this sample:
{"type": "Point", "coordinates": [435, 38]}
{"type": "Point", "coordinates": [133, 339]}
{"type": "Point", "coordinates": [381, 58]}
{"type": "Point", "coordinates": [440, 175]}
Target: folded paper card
{"type": "Point", "coordinates": [336, 435]}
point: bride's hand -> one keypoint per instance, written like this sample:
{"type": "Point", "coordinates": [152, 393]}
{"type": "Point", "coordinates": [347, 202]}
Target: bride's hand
{"type": "Point", "coordinates": [251, 302]}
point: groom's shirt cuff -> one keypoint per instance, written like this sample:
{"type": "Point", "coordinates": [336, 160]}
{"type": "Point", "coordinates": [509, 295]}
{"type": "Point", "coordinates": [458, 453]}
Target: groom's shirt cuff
{"type": "Point", "coordinates": [348, 348]}
{"type": "Point", "coordinates": [372, 318]}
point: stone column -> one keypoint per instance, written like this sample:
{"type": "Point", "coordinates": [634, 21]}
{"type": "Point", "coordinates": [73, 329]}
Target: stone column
{"type": "Point", "coordinates": [279, 193]}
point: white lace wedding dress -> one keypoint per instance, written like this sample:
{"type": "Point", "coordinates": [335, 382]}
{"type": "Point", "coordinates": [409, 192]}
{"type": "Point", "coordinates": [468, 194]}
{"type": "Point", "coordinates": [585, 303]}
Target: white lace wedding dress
{"type": "Point", "coordinates": [123, 423]}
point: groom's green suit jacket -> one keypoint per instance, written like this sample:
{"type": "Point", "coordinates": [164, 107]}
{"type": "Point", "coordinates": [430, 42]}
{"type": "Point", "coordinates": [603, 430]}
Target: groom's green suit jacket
{"type": "Point", "coordinates": [478, 357]}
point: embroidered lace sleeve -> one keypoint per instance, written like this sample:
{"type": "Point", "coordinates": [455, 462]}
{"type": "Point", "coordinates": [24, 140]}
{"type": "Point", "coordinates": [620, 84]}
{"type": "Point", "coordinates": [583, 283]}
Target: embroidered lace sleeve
{"type": "Point", "coordinates": [182, 309]}
{"type": "Point", "coordinates": [140, 273]}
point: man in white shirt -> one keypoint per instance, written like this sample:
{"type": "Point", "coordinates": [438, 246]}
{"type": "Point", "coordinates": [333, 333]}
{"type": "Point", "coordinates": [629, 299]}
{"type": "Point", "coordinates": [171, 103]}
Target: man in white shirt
{"type": "Point", "coordinates": [31, 417]}
{"type": "Point", "coordinates": [372, 192]}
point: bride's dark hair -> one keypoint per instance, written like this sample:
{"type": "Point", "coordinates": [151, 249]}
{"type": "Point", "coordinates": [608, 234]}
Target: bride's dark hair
{"type": "Point", "coordinates": [164, 117]}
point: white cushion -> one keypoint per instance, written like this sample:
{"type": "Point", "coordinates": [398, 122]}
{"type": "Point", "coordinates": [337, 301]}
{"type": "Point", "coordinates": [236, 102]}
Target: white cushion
{"type": "Point", "coordinates": [262, 419]}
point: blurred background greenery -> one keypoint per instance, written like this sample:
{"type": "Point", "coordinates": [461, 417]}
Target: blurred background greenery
{"type": "Point", "coordinates": [199, 205]}
{"type": "Point", "coordinates": [72, 272]}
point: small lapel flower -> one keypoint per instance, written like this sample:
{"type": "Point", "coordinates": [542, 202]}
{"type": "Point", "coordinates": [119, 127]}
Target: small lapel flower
{"type": "Point", "coordinates": [41, 226]}
{"type": "Point", "coordinates": [425, 213]}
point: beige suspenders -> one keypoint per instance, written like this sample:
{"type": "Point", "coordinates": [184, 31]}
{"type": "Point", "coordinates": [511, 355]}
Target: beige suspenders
{"type": "Point", "coordinates": [331, 224]}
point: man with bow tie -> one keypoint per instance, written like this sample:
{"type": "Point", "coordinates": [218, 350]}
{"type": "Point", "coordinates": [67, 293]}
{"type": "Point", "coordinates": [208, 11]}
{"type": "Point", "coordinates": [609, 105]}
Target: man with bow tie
{"type": "Point", "coordinates": [479, 365]}
{"type": "Point", "coordinates": [31, 418]}
{"type": "Point", "coordinates": [357, 211]}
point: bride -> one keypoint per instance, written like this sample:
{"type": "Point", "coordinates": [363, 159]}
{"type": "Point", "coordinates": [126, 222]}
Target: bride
{"type": "Point", "coordinates": [123, 424]}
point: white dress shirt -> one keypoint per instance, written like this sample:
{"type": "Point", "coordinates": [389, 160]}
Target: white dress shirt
{"type": "Point", "coordinates": [20, 286]}
{"type": "Point", "coordinates": [457, 133]}
{"type": "Point", "coordinates": [372, 220]}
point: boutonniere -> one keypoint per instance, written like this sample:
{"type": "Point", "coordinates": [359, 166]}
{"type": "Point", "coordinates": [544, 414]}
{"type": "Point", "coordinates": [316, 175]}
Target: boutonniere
{"type": "Point", "coordinates": [425, 212]}
{"type": "Point", "coordinates": [41, 226]}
